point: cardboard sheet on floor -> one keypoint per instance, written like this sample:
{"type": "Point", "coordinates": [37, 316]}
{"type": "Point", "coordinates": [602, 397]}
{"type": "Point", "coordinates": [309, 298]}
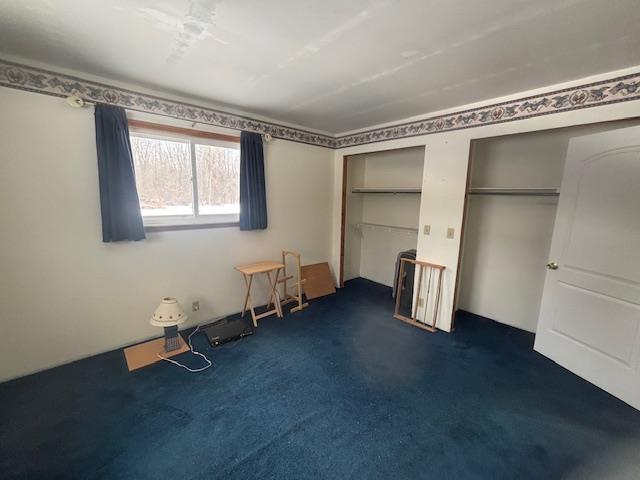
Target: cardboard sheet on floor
{"type": "Point", "coordinates": [318, 280]}
{"type": "Point", "coordinates": [145, 354]}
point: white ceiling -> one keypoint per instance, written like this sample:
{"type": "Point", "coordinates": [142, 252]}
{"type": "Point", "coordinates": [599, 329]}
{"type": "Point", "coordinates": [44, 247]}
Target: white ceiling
{"type": "Point", "coordinates": [331, 65]}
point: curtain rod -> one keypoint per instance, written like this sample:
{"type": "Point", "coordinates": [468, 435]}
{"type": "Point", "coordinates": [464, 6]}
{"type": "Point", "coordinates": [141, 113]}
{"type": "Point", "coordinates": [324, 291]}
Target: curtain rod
{"type": "Point", "coordinates": [79, 102]}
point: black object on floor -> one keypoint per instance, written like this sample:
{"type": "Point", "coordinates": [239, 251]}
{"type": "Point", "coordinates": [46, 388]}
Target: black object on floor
{"type": "Point", "coordinates": [409, 273]}
{"type": "Point", "coordinates": [338, 391]}
{"type": "Point", "coordinates": [226, 330]}
{"type": "Point", "coordinates": [406, 282]}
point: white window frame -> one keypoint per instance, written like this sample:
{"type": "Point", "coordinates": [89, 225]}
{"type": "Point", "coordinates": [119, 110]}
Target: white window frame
{"type": "Point", "coordinates": [196, 218]}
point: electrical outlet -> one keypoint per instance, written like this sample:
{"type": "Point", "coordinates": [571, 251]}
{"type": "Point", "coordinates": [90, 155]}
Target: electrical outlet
{"type": "Point", "coordinates": [195, 306]}
{"type": "Point", "coordinates": [451, 232]}
{"type": "Point", "coordinates": [427, 229]}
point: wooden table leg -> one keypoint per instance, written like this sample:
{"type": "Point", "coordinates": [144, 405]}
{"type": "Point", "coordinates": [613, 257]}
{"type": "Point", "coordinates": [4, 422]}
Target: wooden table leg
{"type": "Point", "coordinates": [274, 285]}
{"type": "Point", "coordinates": [270, 296]}
{"type": "Point", "coordinates": [248, 280]}
{"type": "Point", "coordinates": [247, 284]}
{"type": "Point", "coordinates": [274, 293]}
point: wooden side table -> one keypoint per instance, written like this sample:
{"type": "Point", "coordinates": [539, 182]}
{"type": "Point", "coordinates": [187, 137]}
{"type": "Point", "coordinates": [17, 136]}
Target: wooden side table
{"type": "Point", "coordinates": [269, 268]}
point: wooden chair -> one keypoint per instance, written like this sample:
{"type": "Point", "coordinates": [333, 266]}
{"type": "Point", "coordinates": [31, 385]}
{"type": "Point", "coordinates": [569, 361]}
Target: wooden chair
{"type": "Point", "coordinates": [287, 297]}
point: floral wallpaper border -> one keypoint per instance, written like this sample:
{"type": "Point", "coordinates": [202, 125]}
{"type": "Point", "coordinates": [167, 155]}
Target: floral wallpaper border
{"type": "Point", "coordinates": [42, 81]}
{"type": "Point", "coordinates": [619, 89]}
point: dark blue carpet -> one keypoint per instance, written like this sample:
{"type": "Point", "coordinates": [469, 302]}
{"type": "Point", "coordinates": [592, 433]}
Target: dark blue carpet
{"type": "Point", "coordinates": [340, 390]}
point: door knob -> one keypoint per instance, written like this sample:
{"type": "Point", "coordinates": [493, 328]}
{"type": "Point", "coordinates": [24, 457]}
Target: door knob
{"type": "Point", "coordinates": [552, 266]}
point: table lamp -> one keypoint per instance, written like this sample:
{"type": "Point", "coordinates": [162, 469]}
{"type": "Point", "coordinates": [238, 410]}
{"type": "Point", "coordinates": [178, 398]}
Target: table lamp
{"type": "Point", "coordinates": [169, 315]}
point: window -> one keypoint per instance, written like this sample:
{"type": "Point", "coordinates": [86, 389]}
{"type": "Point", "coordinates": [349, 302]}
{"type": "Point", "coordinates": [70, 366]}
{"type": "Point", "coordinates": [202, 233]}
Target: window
{"type": "Point", "coordinates": [185, 180]}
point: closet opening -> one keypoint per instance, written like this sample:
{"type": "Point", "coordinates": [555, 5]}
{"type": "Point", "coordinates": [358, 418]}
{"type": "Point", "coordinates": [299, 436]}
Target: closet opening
{"type": "Point", "coordinates": [513, 190]}
{"type": "Point", "coordinates": [380, 212]}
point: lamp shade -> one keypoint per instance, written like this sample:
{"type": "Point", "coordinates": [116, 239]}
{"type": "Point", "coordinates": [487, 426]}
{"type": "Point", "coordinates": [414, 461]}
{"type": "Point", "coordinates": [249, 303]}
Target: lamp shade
{"type": "Point", "coordinates": [168, 314]}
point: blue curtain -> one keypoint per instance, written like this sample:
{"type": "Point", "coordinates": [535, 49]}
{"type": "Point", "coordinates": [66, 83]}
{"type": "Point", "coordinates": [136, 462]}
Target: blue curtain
{"type": "Point", "coordinates": [119, 203]}
{"type": "Point", "coordinates": [253, 198]}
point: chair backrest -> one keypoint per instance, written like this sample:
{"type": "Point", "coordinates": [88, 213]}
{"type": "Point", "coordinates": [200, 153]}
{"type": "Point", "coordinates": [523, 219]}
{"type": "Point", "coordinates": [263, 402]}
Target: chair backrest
{"type": "Point", "coordinates": [296, 256]}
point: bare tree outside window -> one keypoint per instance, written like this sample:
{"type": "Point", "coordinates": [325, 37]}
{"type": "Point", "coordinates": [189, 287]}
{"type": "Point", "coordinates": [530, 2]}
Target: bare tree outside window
{"type": "Point", "coordinates": [166, 173]}
{"type": "Point", "coordinates": [218, 179]}
{"type": "Point", "coordinates": [163, 176]}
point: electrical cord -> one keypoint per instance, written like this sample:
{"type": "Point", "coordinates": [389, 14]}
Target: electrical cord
{"type": "Point", "coordinates": [192, 370]}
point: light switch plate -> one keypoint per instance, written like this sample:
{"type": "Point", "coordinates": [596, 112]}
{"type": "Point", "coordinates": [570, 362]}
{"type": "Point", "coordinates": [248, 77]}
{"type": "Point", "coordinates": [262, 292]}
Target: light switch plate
{"type": "Point", "coordinates": [427, 229]}
{"type": "Point", "coordinates": [451, 232]}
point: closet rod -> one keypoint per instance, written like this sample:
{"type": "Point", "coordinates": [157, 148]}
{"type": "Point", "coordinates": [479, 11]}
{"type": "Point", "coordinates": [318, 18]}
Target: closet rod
{"type": "Point", "coordinates": [381, 225]}
{"type": "Point", "coordinates": [545, 192]}
{"type": "Point", "coordinates": [392, 190]}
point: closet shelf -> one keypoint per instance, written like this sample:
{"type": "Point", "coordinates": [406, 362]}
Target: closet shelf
{"type": "Point", "coordinates": [385, 190]}
{"type": "Point", "coordinates": [382, 225]}
{"type": "Point", "coordinates": [545, 192]}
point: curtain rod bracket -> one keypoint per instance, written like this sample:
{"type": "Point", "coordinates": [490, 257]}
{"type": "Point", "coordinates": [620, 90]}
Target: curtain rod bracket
{"type": "Point", "coordinates": [78, 102]}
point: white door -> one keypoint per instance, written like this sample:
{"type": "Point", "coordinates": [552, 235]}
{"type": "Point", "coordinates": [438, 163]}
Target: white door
{"type": "Point", "coordinates": [590, 313]}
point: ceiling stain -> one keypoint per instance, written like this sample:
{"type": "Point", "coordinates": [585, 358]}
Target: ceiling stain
{"type": "Point", "coordinates": [189, 28]}
{"type": "Point", "coordinates": [523, 17]}
{"type": "Point", "coordinates": [409, 53]}
{"type": "Point", "coordinates": [325, 40]}
{"type": "Point", "coordinates": [343, 65]}
{"type": "Point", "coordinates": [437, 91]}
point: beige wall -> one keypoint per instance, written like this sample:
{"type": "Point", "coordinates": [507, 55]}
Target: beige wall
{"type": "Point", "coordinates": [64, 294]}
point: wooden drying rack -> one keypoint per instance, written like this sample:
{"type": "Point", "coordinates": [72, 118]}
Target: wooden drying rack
{"type": "Point", "coordinates": [413, 320]}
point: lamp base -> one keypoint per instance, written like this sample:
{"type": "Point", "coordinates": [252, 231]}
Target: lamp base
{"type": "Point", "coordinates": [171, 337]}
{"type": "Point", "coordinates": [146, 353]}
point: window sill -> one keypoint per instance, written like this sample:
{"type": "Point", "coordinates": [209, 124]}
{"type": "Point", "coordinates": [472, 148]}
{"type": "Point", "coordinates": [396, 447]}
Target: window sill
{"type": "Point", "coordinates": [189, 226]}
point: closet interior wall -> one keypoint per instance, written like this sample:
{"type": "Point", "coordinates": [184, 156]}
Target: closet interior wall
{"type": "Point", "coordinates": [507, 237]}
{"type": "Point", "coordinates": [371, 242]}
